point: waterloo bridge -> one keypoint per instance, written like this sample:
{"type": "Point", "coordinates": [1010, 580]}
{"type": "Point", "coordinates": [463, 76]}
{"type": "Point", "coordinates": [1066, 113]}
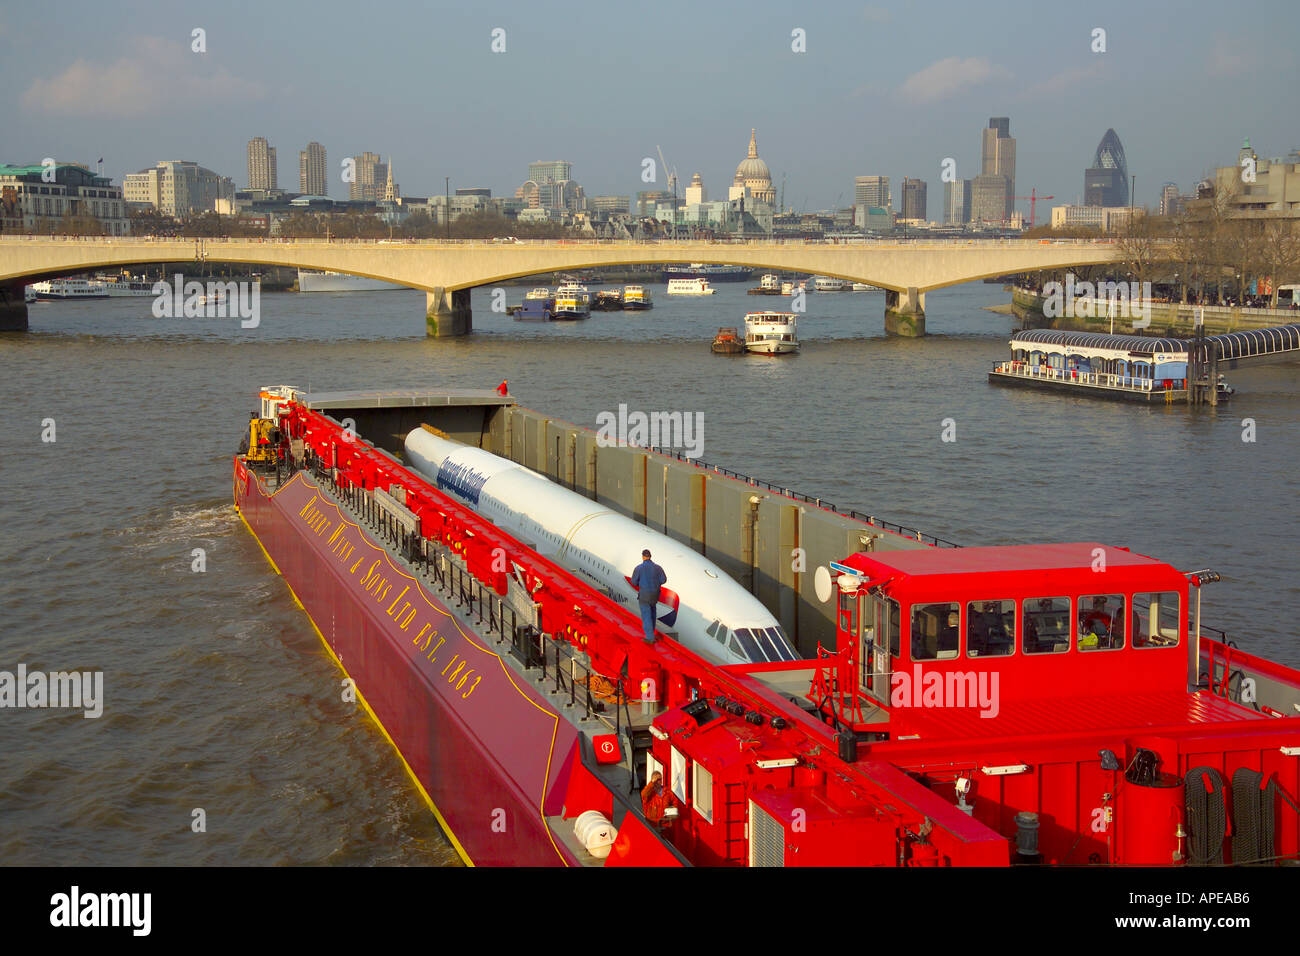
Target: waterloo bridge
{"type": "Point", "coordinates": [448, 269]}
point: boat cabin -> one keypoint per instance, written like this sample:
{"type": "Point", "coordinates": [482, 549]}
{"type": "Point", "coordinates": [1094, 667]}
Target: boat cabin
{"type": "Point", "coordinates": [1050, 621]}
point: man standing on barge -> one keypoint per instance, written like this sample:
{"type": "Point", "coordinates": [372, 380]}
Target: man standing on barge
{"type": "Point", "coordinates": [648, 578]}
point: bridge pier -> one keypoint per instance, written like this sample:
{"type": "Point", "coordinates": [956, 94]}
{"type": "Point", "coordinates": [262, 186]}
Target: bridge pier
{"type": "Point", "coordinates": [905, 313]}
{"type": "Point", "coordinates": [13, 307]}
{"type": "Point", "coordinates": [447, 312]}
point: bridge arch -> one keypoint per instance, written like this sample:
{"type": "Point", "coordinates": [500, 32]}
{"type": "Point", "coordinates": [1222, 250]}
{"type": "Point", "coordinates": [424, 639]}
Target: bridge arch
{"type": "Point", "coordinates": [447, 269]}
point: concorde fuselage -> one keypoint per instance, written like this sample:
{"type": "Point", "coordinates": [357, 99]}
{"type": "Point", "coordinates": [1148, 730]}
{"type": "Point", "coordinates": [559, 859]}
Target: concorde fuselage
{"type": "Point", "coordinates": [704, 608]}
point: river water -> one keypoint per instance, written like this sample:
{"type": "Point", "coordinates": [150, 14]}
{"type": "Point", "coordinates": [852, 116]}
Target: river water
{"type": "Point", "coordinates": [219, 695]}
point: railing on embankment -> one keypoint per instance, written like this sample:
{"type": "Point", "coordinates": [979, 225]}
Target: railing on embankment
{"type": "Point", "coordinates": [1167, 318]}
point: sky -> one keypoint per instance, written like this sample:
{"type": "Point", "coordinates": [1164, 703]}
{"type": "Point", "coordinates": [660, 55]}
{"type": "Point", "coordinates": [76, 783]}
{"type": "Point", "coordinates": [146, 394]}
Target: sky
{"type": "Point", "coordinates": [882, 88]}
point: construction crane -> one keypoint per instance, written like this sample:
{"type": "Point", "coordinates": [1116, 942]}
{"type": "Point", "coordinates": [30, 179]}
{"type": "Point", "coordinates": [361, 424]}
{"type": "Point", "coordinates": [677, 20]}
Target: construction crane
{"type": "Point", "coordinates": [672, 185]}
{"type": "Point", "coordinates": [670, 173]}
{"type": "Point", "coordinates": [1033, 198]}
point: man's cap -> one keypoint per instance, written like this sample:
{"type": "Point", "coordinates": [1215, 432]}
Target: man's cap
{"type": "Point", "coordinates": [645, 554]}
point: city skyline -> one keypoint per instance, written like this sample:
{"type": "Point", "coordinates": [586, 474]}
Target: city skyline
{"type": "Point", "coordinates": [900, 113]}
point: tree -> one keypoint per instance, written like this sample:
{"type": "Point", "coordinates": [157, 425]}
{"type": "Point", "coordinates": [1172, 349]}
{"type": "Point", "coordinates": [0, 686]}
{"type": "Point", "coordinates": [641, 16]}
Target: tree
{"type": "Point", "coordinates": [1141, 248]}
{"type": "Point", "coordinates": [1282, 254]}
{"type": "Point", "coordinates": [418, 225]}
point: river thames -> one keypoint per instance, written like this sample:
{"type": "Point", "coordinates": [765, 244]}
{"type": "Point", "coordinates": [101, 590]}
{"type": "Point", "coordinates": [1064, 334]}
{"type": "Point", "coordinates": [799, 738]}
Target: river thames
{"type": "Point", "coordinates": [219, 695]}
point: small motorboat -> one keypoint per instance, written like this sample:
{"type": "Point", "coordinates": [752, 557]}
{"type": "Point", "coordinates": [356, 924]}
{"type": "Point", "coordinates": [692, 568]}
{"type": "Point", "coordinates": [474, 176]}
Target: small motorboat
{"type": "Point", "coordinates": [728, 342]}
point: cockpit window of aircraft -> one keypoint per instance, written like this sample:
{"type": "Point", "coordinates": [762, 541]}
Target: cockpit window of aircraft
{"type": "Point", "coordinates": [763, 644]}
{"type": "Point", "coordinates": [747, 641]}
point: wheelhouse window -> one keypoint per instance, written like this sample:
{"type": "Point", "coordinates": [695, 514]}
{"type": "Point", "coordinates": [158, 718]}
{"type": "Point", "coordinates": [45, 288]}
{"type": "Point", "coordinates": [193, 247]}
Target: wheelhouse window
{"type": "Point", "coordinates": [1101, 622]}
{"type": "Point", "coordinates": [936, 631]}
{"type": "Point", "coordinates": [890, 624]}
{"type": "Point", "coordinates": [1047, 625]}
{"type": "Point", "coordinates": [1156, 619]}
{"type": "Point", "coordinates": [990, 628]}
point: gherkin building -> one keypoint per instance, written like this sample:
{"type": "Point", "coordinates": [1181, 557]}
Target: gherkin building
{"type": "Point", "coordinates": [1105, 183]}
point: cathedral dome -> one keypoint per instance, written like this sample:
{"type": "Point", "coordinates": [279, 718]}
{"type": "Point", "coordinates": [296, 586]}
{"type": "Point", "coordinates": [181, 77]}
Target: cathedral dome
{"type": "Point", "coordinates": [752, 168]}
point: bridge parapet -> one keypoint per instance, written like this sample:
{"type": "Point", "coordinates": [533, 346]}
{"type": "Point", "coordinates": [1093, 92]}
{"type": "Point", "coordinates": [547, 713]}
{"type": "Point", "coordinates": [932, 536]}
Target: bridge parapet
{"type": "Point", "coordinates": [908, 267]}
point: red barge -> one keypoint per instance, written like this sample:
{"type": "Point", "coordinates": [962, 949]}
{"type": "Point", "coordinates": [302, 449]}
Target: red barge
{"type": "Point", "coordinates": [1039, 704]}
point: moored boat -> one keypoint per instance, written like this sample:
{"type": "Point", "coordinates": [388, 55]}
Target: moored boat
{"type": "Point", "coordinates": [689, 287]}
{"type": "Point", "coordinates": [728, 342]}
{"type": "Point", "coordinates": [636, 298]}
{"type": "Point", "coordinates": [538, 304]}
{"type": "Point", "coordinates": [771, 333]}
{"type": "Point", "coordinates": [698, 270]}
{"type": "Point", "coordinates": [310, 281]}
{"type": "Point", "coordinates": [770, 284]}
{"type": "Point", "coordinates": [608, 300]}
{"type": "Point", "coordinates": [69, 289]}
{"type": "Point", "coordinates": [572, 301]}
{"type": "Point", "coordinates": [1127, 367]}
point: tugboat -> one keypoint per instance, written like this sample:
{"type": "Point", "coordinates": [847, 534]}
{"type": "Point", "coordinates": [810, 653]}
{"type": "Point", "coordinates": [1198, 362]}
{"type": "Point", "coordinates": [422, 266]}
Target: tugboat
{"type": "Point", "coordinates": [572, 301]}
{"type": "Point", "coordinates": [771, 333]}
{"type": "Point", "coordinates": [636, 298]}
{"type": "Point", "coordinates": [770, 284]}
{"type": "Point", "coordinates": [728, 342]}
{"type": "Point", "coordinates": [608, 300]}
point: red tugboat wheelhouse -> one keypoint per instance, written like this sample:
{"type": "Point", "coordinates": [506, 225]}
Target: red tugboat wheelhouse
{"type": "Point", "coordinates": [1039, 704]}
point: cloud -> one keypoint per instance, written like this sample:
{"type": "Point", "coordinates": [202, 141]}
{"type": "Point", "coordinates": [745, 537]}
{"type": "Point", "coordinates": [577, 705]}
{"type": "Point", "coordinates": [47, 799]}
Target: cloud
{"type": "Point", "coordinates": [952, 75]}
{"type": "Point", "coordinates": [1067, 80]}
{"type": "Point", "coordinates": [874, 14]}
{"type": "Point", "coordinates": [158, 73]}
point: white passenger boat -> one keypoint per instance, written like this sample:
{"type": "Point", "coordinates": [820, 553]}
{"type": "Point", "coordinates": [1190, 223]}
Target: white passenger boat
{"type": "Point", "coordinates": [689, 287]}
{"type": "Point", "coordinates": [341, 282]}
{"type": "Point", "coordinates": [863, 287]}
{"type": "Point", "coordinates": [829, 284]}
{"type": "Point", "coordinates": [126, 287]}
{"type": "Point", "coordinates": [69, 289]}
{"type": "Point", "coordinates": [771, 333]}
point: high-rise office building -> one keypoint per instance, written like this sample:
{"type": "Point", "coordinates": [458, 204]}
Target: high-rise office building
{"type": "Point", "coordinates": [988, 199]}
{"type": "Point", "coordinates": [550, 186]}
{"type": "Point", "coordinates": [371, 178]}
{"type": "Point", "coordinates": [998, 158]}
{"type": "Point", "coordinates": [1105, 182]}
{"type": "Point", "coordinates": [956, 202]}
{"type": "Point", "coordinates": [178, 189]}
{"type": "Point", "coordinates": [261, 164]}
{"type": "Point", "coordinates": [914, 198]}
{"type": "Point", "coordinates": [311, 170]}
{"type": "Point", "coordinates": [1170, 202]}
{"type": "Point", "coordinates": [872, 191]}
